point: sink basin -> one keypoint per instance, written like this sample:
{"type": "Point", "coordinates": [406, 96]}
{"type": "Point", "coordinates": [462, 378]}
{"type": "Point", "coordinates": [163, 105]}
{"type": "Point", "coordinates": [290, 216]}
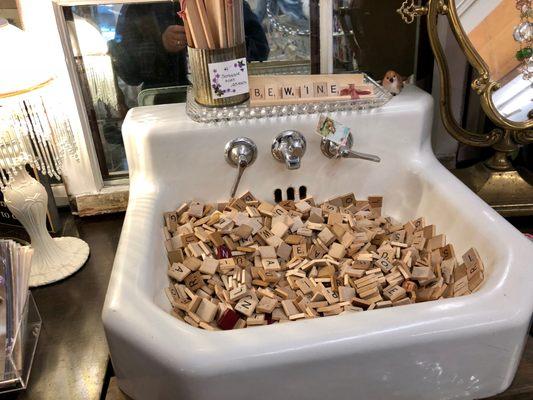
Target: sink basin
{"type": "Point", "coordinates": [466, 347]}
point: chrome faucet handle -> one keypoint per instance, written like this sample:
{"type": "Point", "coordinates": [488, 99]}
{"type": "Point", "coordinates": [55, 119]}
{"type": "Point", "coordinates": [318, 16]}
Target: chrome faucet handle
{"type": "Point", "coordinates": [289, 148]}
{"type": "Point", "coordinates": [333, 150]}
{"type": "Point", "coordinates": [240, 153]}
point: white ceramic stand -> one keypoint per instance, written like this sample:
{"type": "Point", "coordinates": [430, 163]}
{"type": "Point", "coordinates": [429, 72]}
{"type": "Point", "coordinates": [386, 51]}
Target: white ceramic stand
{"type": "Point", "coordinates": [53, 259]}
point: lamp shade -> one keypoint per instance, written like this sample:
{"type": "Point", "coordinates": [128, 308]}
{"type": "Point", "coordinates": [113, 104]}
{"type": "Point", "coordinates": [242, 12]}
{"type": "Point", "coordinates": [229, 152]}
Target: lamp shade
{"type": "Point", "coordinates": [33, 127]}
{"type": "Point", "coordinates": [24, 65]}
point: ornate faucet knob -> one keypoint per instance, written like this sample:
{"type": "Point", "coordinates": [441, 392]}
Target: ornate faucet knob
{"type": "Point", "coordinates": [409, 11]}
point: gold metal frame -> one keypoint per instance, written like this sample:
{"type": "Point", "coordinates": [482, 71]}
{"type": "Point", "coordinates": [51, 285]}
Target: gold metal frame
{"type": "Point", "coordinates": [509, 135]}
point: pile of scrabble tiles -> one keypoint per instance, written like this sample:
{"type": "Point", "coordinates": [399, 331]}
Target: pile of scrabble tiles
{"type": "Point", "coordinates": [248, 263]}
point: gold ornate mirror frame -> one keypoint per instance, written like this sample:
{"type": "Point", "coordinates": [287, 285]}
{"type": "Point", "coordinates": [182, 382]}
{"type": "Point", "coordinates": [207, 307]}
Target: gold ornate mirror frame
{"type": "Point", "coordinates": [509, 135]}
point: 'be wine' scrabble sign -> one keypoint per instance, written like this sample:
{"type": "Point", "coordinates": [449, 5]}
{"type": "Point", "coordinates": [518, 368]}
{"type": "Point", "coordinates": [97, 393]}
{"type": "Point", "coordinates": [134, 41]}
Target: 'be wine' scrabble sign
{"type": "Point", "coordinates": [267, 90]}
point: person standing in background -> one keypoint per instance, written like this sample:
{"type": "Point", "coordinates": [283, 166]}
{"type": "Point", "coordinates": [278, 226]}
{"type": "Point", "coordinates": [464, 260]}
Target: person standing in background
{"type": "Point", "coordinates": [149, 47]}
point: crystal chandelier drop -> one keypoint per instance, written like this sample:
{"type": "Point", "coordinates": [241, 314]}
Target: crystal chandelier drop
{"type": "Point", "coordinates": [523, 34]}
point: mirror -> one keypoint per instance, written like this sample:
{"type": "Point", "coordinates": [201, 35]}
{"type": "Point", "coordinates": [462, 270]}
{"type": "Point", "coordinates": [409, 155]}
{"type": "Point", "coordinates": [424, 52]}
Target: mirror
{"type": "Point", "coordinates": [125, 57]}
{"type": "Point", "coordinates": [505, 96]}
{"type": "Point", "coordinates": [501, 32]}
{"type": "Point", "coordinates": [362, 23]}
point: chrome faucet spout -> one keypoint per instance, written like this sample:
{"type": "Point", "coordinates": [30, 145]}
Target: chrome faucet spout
{"type": "Point", "coordinates": [289, 147]}
{"type": "Point", "coordinates": [292, 162]}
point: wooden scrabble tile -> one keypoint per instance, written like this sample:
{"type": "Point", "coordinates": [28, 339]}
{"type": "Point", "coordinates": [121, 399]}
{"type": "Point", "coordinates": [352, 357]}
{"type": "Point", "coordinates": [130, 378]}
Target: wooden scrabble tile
{"type": "Point", "coordinates": [460, 287]}
{"type": "Point", "coordinates": [207, 310]}
{"type": "Point", "coordinates": [460, 272]}
{"type": "Point", "coordinates": [358, 302]}
{"type": "Point", "coordinates": [421, 273]}
{"type": "Point", "coordinates": [243, 231]}
{"type": "Point", "coordinates": [192, 263]}
{"type": "Point", "coordinates": [337, 251]}
{"type": "Point", "coordinates": [398, 236]}
{"type": "Point", "coordinates": [289, 308]}
{"type": "Point", "coordinates": [475, 280]}
{"type": "Point", "coordinates": [472, 259]}
{"type": "Point", "coordinates": [267, 305]}
{"type": "Point", "coordinates": [279, 229]}
{"type": "Point", "coordinates": [306, 232]}
{"type": "Point", "coordinates": [383, 304]}
{"type": "Point", "coordinates": [265, 209]}
{"type": "Point", "coordinates": [257, 93]}
{"type": "Point", "coordinates": [338, 229]}
{"type": "Point", "coordinates": [271, 92]}
{"type": "Point", "coordinates": [267, 251]}
{"type": "Point", "coordinates": [402, 302]}
{"type": "Point", "coordinates": [375, 201]}
{"type": "Point", "coordinates": [330, 295]}
{"type": "Point", "coordinates": [346, 293]}
{"type": "Point", "coordinates": [284, 251]}
{"type": "Point", "coordinates": [171, 220]}
{"type": "Point", "coordinates": [256, 320]}
{"type": "Point", "coordinates": [194, 281]}
{"type": "Point", "coordinates": [384, 265]}
{"type": "Point", "coordinates": [216, 238]}
{"type": "Point", "coordinates": [294, 317]}
{"type": "Point", "coordinates": [238, 293]}
{"type": "Point", "coordinates": [270, 264]}
{"type": "Point", "coordinates": [436, 242]}
{"type": "Point", "coordinates": [305, 285]}
{"type": "Point", "coordinates": [326, 236]}
{"type": "Point", "coordinates": [306, 91]}
{"type": "Point", "coordinates": [246, 305]}
{"type": "Point", "coordinates": [447, 267]}
{"type": "Point", "coordinates": [447, 252]}
{"type": "Point", "coordinates": [227, 319]}
{"type": "Point", "coordinates": [196, 209]}
{"type": "Point", "coordinates": [394, 293]}
{"type": "Point", "coordinates": [178, 271]}
{"type": "Point", "coordinates": [299, 250]}
{"type": "Point", "coordinates": [320, 89]}
{"type": "Point", "coordinates": [288, 91]}
{"type": "Point", "coordinates": [302, 206]}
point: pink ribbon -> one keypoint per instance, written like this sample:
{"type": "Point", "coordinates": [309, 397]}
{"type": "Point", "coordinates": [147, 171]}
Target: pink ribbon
{"type": "Point", "coordinates": [353, 92]}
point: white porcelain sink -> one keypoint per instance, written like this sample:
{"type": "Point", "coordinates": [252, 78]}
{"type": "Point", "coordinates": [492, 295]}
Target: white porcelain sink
{"type": "Point", "coordinates": [466, 347]}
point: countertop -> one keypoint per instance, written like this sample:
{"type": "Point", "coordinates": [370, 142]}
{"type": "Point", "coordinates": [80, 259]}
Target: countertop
{"type": "Point", "coordinates": [72, 355]}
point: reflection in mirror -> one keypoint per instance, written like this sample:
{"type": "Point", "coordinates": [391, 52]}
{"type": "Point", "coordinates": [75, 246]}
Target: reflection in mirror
{"type": "Point", "coordinates": [501, 31]}
{"type": "Point", "coordinates": [369, 46]}
{"type": "Point", "coordinates": [121, 50]}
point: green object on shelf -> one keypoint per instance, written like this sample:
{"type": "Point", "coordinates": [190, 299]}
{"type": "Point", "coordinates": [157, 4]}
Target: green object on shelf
{"type": "Point", "coordinates": [524, 53]}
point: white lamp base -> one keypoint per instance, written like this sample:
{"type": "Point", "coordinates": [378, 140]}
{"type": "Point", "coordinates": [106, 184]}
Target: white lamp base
{"type": "Point", "coordinates": [53, 259]}
{"type": "Point", "coordinates": [70, 255]}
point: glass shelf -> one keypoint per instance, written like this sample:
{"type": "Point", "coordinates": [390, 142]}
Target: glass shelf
{"type": "Point", "coordinates": [243, 111]}
{"type": "Point", "coordinates": [19, 356]}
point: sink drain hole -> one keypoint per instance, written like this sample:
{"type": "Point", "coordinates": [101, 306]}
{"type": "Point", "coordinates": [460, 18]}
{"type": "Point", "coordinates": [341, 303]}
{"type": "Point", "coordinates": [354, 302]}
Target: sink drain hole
{"type": "Point", "coordinates": [277, 195]}
{"type": "Point", "coordinates": [290, 193]}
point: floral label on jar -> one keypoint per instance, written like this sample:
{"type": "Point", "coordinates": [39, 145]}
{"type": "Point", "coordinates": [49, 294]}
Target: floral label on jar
{"type": "Point", "coordinates": [228, 78]}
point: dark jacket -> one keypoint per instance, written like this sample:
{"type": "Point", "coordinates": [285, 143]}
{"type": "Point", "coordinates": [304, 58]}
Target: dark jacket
{"type": "Point", "coordinates": [139, 56]}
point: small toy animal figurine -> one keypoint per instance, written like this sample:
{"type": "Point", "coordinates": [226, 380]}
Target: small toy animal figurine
{"type": "Point", "coordinates": [393, 82]}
